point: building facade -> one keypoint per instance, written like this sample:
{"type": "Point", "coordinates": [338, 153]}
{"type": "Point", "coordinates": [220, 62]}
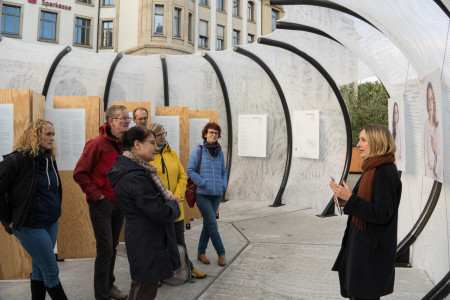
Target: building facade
{"type": "Point", "coordinates": [139, 27]}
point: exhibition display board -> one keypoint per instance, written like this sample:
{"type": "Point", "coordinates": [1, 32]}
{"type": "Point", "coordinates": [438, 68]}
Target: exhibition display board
{"type": "Point", "coordinates": [28, 105]}
{"type": "Point", "coordinates": [76, 237]}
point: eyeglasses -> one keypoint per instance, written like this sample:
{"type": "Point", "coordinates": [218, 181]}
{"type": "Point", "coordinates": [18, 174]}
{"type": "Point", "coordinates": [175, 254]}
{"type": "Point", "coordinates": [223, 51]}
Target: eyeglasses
{"type": "Point", "coordinates": [142, 119]}
{"type": "Point", "coordinates": [162, 134]}
{"type": "Point", "coordinates": [122, 119]}
{"type": "Point", "coordinates": [213, 132]}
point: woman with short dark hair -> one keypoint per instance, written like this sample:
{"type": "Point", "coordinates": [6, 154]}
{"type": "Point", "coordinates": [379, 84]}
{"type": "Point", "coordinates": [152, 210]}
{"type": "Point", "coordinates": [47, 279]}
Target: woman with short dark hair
{"type": "Point", "coordinates": [150, 211]}
{"type": "Point", "coordinates": [211, 182]}
{"type": "Point", "coordinates": [366, 262]}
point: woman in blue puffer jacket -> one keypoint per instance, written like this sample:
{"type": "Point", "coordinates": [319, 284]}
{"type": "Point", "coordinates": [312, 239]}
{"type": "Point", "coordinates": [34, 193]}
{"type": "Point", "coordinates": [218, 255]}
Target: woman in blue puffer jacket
{"type": "Point", "coordinates": [211, 182]}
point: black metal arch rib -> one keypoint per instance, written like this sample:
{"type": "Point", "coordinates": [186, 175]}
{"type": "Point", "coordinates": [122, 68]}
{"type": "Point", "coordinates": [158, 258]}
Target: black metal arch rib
{"type": "Point", "coordinates": [440, 290]}
{"type": "Point", "coordinates": [322, 3]}
{"type": "Point", "coordinates": [52, 69]}
{"type": "Point", "coordinates": [402, 256]}
{"type": "Point", "coordinates": [165, 80]}
{"type": "Point", "coordinates": [109, 79]}
{"type": "Point", "coordinates": [443, 7]}
{"type": "Point", "coordinates": [275, 82]}
{"type": "Point", "coordinates": [300, 27]}
{"type": "Point", "coordinates": [227, 108]}
{"type": "Point", "coordinates": [329, 209]}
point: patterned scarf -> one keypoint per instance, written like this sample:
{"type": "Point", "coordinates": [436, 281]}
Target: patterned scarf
{"type": "Point", "coordinates": [213, 149]}
{"type": "Point", "coordinates": [369, 167]}
{"type": "Point", "coordinates": [152, 171]}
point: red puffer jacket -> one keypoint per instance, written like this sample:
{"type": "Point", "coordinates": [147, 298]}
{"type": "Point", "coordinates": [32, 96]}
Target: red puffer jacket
{"type": "Point", "coordinates": [99, 155]}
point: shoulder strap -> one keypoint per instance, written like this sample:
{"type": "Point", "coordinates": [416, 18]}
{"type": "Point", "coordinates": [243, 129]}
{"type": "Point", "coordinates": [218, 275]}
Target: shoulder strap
{"type": "Point", "coordinates": [200, 163]}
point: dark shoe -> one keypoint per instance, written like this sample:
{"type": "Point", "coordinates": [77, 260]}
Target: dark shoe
{"type": "Point", "coordinates": [222, 262]}
{"type": "Point", "coordinates": [198, 274]}
{"type": "Point", "coordinates": [117, 294]}
{"type": "Point", "coordinates": [203, 259]}
{"type": "Point", "coordinates": [38, 290]}
{"type": "Point", "coordinates": [56, 292]}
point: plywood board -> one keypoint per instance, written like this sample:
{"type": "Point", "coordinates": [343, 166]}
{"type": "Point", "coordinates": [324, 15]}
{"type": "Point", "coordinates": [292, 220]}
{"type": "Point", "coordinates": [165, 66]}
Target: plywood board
{"type": "Point", "coordinates": [213, 116]}
{"type": "Point", "coordinates": [15, 263]}
{"type": "Point", "coordinates": [37, 106]}
{"type": "Point", "coordinates": [76, 237]}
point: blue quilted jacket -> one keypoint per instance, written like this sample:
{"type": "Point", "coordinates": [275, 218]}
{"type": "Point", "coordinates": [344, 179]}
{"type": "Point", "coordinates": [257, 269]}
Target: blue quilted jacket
{"type": "Point", "coordinates": [212, 180]}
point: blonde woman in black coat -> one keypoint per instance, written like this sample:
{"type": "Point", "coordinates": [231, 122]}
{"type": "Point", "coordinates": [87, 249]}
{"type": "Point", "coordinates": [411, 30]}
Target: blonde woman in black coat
{"type": "Point", "coordinates": [366, 262]}
{"type": "Point", "coordinates": [150, 210]}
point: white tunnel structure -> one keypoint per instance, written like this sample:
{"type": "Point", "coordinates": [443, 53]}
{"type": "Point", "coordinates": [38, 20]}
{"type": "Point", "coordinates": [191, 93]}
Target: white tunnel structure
{"type": "Point", "coordinates": [318, 46]}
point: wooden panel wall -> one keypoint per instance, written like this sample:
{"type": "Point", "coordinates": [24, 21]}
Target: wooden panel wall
{"type": "Point", "coordinates": [213, 116]}
{"type": "Point", "coordinates": [15, 263]}
{"type": "Point", "coordinates": [76, 237]}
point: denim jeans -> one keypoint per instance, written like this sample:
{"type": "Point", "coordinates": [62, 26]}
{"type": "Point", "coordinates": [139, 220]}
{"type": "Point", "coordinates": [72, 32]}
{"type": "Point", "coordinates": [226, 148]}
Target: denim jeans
{"type": "Point", "coordinates": [208, 206]}
{"type": "Point", "coordinates": [107, 221]}
{"type": "Point", "coordinates": [39, 244]}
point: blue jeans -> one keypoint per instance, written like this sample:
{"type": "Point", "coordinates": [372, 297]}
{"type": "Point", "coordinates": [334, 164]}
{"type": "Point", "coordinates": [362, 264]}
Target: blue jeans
{"type": "Point", "coordinates": [39, 244]}
{"type": "Point", "coordinates": [208, 206]}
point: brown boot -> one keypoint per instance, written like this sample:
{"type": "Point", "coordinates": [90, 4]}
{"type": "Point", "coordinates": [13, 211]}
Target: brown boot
{"type": "Point", "coordinates": [203, 259]}
{"type": "Point", "coordinates": [222, 262]}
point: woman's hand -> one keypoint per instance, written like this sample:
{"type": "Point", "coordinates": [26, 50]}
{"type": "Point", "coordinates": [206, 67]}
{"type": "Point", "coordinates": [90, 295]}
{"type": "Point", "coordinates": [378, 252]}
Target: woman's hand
{"type": "Point", "coordinates": [343, 193]}
{"type": "Point", "coordinates": [175, 198]}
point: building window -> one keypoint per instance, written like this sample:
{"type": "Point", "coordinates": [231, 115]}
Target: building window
{"type": "Point", "coordinates": [47, 26]}
{"type": "Point", "coordinates": [85, 1]}
{"type": "Point", "coordinates": [275, 17]}
{"type": "Point", "coordinates": [203, 34]}
{"type": "Point", "coordinates": [250, 38]}
{"type": "Point", "coordinates": [220, 37]}
{"type": "Point", "coordinates": [204, 2]}
{"type": "Point", "coordinates": [107, 34]}
{"type": "Point", "coordinates": [82, 32]}
{"type": "Point", "coordinates": [190, 27]}
{"type": "Point", "coordinates": [10, 20]}
{"type": "Point", "coordinates": [176, 22]}
{"type": "Point", "coordinates": [108, 2]}
{"type": "Point", "coordinates": [250, 12]}
{"type": "Point", "coordinates": [236, 8]}
{"type": "Point", "coordinates": [159, 19]}
{"type": "Point", "coordinates": [235, 37]}
{"type": "Point", "coordinates": [220, 5]}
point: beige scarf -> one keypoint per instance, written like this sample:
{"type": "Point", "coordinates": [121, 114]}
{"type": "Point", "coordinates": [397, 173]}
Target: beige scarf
{"type": "Point", "coordinates": [152, 171]}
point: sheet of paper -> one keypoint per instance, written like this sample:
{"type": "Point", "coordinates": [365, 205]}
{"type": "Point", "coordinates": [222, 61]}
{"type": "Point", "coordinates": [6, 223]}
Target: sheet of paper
{"type": "Point", "coordinates": [306, 131]}
{"type": "Point", "coordinates": [6, 128]}
{"type": "Point", "coordinates": [70, 135]}
{"type": "Point", "coordinates": [252, 135]}
{"type": "Point", "coordinates": [172, 126]}
{"type": "Point", "coordinates": [195, 132]}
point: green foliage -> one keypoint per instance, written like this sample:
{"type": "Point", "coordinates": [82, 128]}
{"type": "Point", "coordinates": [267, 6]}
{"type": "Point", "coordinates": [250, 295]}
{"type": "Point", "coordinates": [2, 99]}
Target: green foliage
{"type": "Point", "coordinates": [367, 105]}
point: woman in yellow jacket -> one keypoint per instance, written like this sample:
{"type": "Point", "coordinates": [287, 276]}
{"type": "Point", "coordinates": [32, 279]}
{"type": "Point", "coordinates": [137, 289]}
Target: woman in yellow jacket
{"type": "Point", "coordinates": [174, 178]}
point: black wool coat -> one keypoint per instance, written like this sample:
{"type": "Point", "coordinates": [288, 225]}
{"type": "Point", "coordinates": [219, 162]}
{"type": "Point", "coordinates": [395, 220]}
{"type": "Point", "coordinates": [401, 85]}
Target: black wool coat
{"type": "Point", "coordinates": [149, 232]}
{"type": "Point", "coordinates": [366, 261]}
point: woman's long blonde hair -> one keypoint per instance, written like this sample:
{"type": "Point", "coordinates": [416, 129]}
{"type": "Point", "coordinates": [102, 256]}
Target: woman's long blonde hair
{"type": "Point", "coordinates": [380, 139]}
{"type": "Point", "coordinates": [31, 138]}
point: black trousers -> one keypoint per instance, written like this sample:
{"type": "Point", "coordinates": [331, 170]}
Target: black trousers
{"type": "Point", "coordinates": [107, 221]}
{"type": "Point", "coordinates": [179, 233]}
{"type": "Point", "coordinates": [143, 290]}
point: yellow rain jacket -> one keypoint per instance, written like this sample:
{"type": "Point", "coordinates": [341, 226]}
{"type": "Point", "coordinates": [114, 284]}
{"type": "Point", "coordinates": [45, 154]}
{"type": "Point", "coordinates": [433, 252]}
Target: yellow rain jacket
{"type": "Point", "coordinates": [171, 173]}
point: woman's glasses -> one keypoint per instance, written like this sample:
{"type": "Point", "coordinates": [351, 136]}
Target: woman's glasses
{"type": "Point", "coordinates": [213, 132]}
{"type": "Point", "coordinates": [162, 134]}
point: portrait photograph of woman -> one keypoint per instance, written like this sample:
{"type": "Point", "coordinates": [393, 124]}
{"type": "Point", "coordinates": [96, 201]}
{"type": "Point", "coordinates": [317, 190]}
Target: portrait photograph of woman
{"type": "Point", "coordinates": [397, 128]}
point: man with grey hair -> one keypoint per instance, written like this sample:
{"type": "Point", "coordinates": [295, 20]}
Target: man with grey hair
{"type": "Point", "coordinates": [140, 116]}
{"type": "Point", "coordinates": [99, 155]}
